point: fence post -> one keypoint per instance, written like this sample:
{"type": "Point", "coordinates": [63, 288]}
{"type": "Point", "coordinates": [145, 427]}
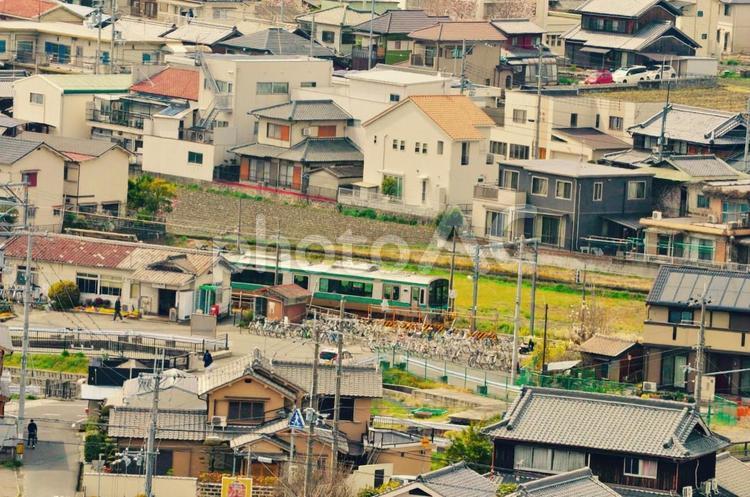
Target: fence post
{"type": "Point", "coordinates": [393, 355]}
{"type": "Point", "coordinates": [466, 375]}
{"type": "Point", "coordinates": [424, 358]}
{"type": "Point", "coordinates": [407, 360]}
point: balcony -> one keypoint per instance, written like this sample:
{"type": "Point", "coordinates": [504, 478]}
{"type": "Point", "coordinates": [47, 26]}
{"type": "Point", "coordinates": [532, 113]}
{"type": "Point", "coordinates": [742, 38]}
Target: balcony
{"type": "Point", "coordinates": [116, 117]}
{"type": "Point", "coordinates": [686, 335]}
{"type": "Point", "coordinates": [500, 195]}
{"type": "Point", "coordinates": [197, 135]}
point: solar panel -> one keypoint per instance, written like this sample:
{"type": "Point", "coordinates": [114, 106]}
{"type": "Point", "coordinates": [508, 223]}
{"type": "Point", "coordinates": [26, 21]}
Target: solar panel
{"type": "Point", "coordinates": [734, 287]}
{"type": "Point", "coordinates": [743, 301]}
{"type": "Point", "coordinates": [687, 287]}
{"type": "Point", "coordinates": [670, 287]}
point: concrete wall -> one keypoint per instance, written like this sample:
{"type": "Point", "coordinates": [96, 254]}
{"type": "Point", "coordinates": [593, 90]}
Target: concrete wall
{"type": "Point", "coordinates": [168, 156]}
{"type": "Point", "coordinates": [49, 112]}
{"type": "Point", "coordinates": [131, 485]}
{"type": "Point", "coordinates": [105, 178]}
{"type": "Point", "coordinates": [407, 460]}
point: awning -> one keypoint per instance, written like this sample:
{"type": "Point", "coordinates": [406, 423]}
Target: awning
{"type": "Point", "coordinates": [631, 222]}
{"type": "Point", "coordinates": [601, 51]}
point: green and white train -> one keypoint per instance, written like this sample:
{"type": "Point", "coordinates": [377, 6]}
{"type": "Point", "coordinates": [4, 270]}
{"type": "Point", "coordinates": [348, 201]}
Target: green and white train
{"type": "Point", "coordinates": [363, 287]}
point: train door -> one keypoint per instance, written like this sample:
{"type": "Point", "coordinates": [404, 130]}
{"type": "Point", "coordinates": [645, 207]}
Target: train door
{"type": "Point", "coordinates": [417, 296]}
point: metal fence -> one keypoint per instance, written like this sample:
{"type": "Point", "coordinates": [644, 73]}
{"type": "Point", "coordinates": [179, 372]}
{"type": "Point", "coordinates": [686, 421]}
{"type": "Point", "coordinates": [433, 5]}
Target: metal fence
{"type": "Point", "coordinates": [132, 344]}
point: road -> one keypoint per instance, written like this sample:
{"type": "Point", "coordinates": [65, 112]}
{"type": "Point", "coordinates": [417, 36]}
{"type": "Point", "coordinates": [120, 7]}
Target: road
{"type": "Point", "coordinates": [51, 469]}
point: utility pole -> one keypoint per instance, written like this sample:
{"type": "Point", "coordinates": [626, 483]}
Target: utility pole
{"type": "Point", "coordinates": [475, 288]}
{"type": "Point", "coordinates": [112, 40]}
{"type": "Point", "coordinates": [98, 36]}
{"type": "Point", "coordinates": [699, 359]}
{"type": "Point", "coordinates": [369, 44]}
{"type": "Point", "coordinates": [337, 396]}
{"type": "Point", "coordinates": [26, 312]}
{"type": "Point", "coordinates": [538, 124]}
{"type": "Point", "coordinates": [278, 253]}
{"type": "Point", "coordinates": [463, 66]}
{"type": "Point", "coordinates": [451, 291]}
{"type": "Point", "coordinates": [312, 35]}
{"type": "Point", "coordinates": [239, 225]}
{"type": "Point", "coordinates": [544, 340]}
{"type": "Point", "coordinates": [517, 313]}
{"type": "Point", "coordinates": [747, 136]}
{"type": "Point", "coordinates": [313, 415]}
{"type": "Point", "coordinates": [151, 441]}
{"type": "Point", "coordinates": [532, 310]}
{"type": "Point", "coordinates": [662, 138]}
{"type": "Point", "coordinates": [281, 15]}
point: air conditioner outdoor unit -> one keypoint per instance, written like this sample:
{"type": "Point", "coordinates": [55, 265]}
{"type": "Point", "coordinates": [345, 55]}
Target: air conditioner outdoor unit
{"type": "Point", "coordinates": [311, 131]}
{"type": "Point", "coordinates": [656, 215]}
{"type": "Point", "coordinates": [220, 421]}
{"type": "Point", "coordinates": [649, 386]}
{"type": "Point", "coordinates": [712, 219]}
{"type": "Point", "coordinates": [687, 491]}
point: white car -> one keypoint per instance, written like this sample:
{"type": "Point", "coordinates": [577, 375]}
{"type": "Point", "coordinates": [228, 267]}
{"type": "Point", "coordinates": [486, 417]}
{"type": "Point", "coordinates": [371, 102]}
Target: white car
{"type": "Point", "coordinates": [660, 72]}
{"type": "Point", "coordinates": [631, 74]}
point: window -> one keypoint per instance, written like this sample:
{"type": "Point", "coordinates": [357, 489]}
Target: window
{"type": "Point", "coordinates": [402, 145]}
{"type": "Point", "coordinates": [733, 211]}
{"type": "Point", "coordinates": [699, 13]}
{"type": "Point", "coordinates": [674, 370]}
{"type": "Point", "coordinates": [264, 278]}
{"type": "Point", "coordinates": [379, 476]}
{"type": "Point", "coordinates": [394, 97]}
{"type": "Point", "coordinates": [465, 149]}
{"type": "Point", "coordinates": [195, 158]}
{"type": "Point", "coordinates": [615, 123]}
{"type": "Point", "coordinates": [286, 174]}
{"type": "Point", "coordinates": [271, 88]}
{"type": "Point", "coordinates": [29, 177]}
{"type": "Point", "coordinates": [424, 148]}
{"type": "Point", "coordinates": [677, 316]}
{"type": "Point", "coordinates": [519, 116]}
{"type": "Point", "coordinates": [598, 121]}
{"type": "Point", "coordinates": [702, 202]}
{"type": "Point", "coordinates": [326, 131]}
{"type": "Point", "coordinates": [498, 148]}
{"type": "Point", "coordinates": [110, 286]}
{"type": "Point", "coordinates": [277, 132]}
{"type": "Point", "coordinates": [574, 120]}
{"type": "Point", "coordinates": [301, 280]}
{"type": "Point", "coordinates": [642, 468]}
{"type": "Point", "coordinates": [395, 144]}
{"type": "Point", "coordinates": [544, 459]}
{"type": "Point", "coordinates": [145, 58]}
{"type": "Point", "coordinates": [391, 292]}
{"type": "Point", "coordinates": [224, 86]}
{"type": "Point", "coordinates": [57, 52]}
{"type": "Point", "coordinates": [563, 189]}
{"type": "Point", "coordinates": [518, 151]}
{"type": "Point", "coordinates": [2, 46]}
{"type": "Point", "coordinates": [346, 407]}
{"type": "Point", "coordinates": [598, 191]}
{"type": "Point", "coordinates": [440, 147]}
{"type": "Point", "coordinates": [328, 36]}
{"type": "Point", "coordinates": [494, 224]}
{"type": "Point", "coordinates": [636, 190]}
{"type": "Point", "coordinates": [246, 411]}
{"type": "Point", "coordinates": [374, 138]}
{"type": "Point", "coordinates": [111, 209]}
{"type": "Point", "coordinates": [539, 186]}
{"type": "Point", "coordinates": [21, 275]}
{"type": "Point", "coordinates": [87, 283]}
{"type": "Point", "coordinates": [509, 179]}
{"type": "Point", "coordinates": [308, 84]}
{"type": "Point", "coordinates": [393, 186]}
{"type": "Point", "coordinates": [705, 249]}
{"type": "Point", "coordinates": [424, 191]}
{"type": "Point", "coordinates": [727, 9]}
{"type": "Point", "coordinates": [704, 36]}
{"type": "Point", "coordinates": [346, 287]}
{"type": "Point", "coordinates": [417, 147]}
{"type": "Point", "coordinates": [36, 98]}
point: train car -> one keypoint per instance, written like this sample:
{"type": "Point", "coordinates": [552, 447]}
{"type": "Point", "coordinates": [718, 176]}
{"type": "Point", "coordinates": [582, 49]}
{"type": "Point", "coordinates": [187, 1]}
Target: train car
{"type": "Point", "coordinates": [364, 287]}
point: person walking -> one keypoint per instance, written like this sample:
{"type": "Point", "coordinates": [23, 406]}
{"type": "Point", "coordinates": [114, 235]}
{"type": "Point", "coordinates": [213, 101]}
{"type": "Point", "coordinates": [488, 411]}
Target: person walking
{"type": "Point", "coordinates": [208, 359]}
{"type": "Point", "coordinates": [118, 309]}
{"type": "Point", "coordinates": [32, 429]}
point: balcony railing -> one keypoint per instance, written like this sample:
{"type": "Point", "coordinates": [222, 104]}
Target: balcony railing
{"type": "Point", "coordinates": [500, 195]}
{"type": "Point", "coordinates": [116, 117]}
{"type": "Point", "coordinates": [197, 135]}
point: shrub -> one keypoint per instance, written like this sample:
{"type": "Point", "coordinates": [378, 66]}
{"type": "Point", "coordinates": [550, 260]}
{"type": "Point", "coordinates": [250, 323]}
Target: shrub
{"type": "Point", "coordinates": [64, 295]}
{"type": "Point", "coordinates": [449, 222]}
{"type": "Point", "coordinates": [506, 489]}
{"type": "Point", "coordinates": [389, 186]}
{"type": "Point", "coordinates": [732, 62]}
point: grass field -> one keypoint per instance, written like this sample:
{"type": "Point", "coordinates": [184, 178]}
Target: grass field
{"type": "Point", "coordinates": [63, 363]}
{"type": "Point", "coordinates": [730, 95]}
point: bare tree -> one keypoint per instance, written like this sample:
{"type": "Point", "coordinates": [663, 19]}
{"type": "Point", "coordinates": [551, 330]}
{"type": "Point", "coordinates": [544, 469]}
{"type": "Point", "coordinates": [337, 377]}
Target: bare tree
{"type": "Point", "coordinates": [455, 9]}
{"type": "Point", "coordinates": [510, 9]}
{"type": "Point", "coordinates": [325, 483]}
{"type": "Point", "coordinates": [271, 10]}
{"type": "Point", "coordinates": [588, 320]}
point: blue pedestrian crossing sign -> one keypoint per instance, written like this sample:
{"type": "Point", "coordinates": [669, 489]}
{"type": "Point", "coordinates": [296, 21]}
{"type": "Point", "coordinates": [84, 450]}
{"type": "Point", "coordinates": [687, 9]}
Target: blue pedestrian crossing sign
{"type": "Point", "coordinates": [297, 421]}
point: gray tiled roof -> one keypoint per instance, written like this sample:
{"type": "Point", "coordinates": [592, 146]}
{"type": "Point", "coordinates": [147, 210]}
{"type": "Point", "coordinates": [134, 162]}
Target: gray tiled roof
{"type": "Point", "coordinates": [733, 475]}
{"type": "Point", "coordinates": [278, 41]}
{"type": "Point", "coordinates": [620, 8]}
{"type": "Point", "coordinates": [703, 166]}
{"type": "Point", "coordinates": [175, 424]}
{"type": "Point", "coordinates": [400, 22]}
{"type": "Point", "coordinates": [74, 145]}
{"type": "Point", "coordinates": [304, 110]}
{"type": "Point", "coordinates": [458, 481]}
{"type": "Point", "coordinates": [13, 149]}
{"type": "Point", "coordinates": [310, 150]}
{"type": "Point", "coordinates": [630, 157]}
{"type": "Point", "coordinates": [578, 483]}
{"type": "Point", "coordinates": [612, 423]}
{"type": "Point", "coordinates": [695, 125]}
{"type": "Point", "coordinates": [517, 26]}
{"type": "Point", "coordinates": [606, 345]}
{"type": "Point", "coordinates": [729, 291]}
{"type": "Point", "coordinates": [620, 41]}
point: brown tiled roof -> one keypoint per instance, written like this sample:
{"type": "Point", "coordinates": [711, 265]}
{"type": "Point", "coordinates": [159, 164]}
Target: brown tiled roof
{"type": "Point", "coordinates": [171, 82]}
{"type": "Point", "coordinates": [459, 31]}
{"type": "Point", "coordinates": [606, 346]}
{"type": "Point", "coordinates": [70, 250]}
{"type": "Point", "coordinates": [26, 9]}
{"type": "Point", "coordinates": [457, 115]}
{"type": "Point", "coordinates": [287, 292]}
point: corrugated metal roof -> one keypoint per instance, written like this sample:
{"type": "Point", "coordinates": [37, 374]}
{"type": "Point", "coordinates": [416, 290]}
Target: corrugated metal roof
{"type": "Point", "coordinates": [400, 22]}
{"type": "Point", "coordinates": [90, 83]}
{"type": "Point", "coordinates": [278, 41]}
{"type": "Point", "coordinates": [647, 427]}
{"type": "Point", "coordinates": [577, 483]}
{"type": "Point", "coordinates": [607, 346]}
{"type": "Point", "coordinates": [459, 31]}
{"type": "Point", "coordinates": [172, 424]}
{"type": "Point", "coordinates": [304, 110]}
{"type": "Point", "coordinates": [733, 475]}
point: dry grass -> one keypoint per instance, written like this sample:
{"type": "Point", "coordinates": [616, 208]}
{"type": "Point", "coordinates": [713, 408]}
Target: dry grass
{"type": "Point", "coordinates": [730, 95]}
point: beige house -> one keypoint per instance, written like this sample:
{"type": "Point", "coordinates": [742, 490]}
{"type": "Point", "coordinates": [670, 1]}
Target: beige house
{"type": "Point", "coordinates": [719, 26]}
{"type": "Point", "coordinates": [56, 103]}
{"type": "Point", "coordinates": [152, 278]}
{"type": "Point", "coordinates": [333, 27]}
{"type": "Point", "coordinates": [425, 154]}
{"type": "Point", "coordinates": [230, 87]}
{"type": "Point", "coordinates": [43, 11]}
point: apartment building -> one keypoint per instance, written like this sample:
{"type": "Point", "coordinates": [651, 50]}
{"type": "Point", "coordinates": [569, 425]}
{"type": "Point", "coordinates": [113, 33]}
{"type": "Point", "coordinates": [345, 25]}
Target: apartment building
{"type": "Point", "coordinates": [425, 154]}
{"type": "Point", "coordinates": [564, 203]}
{"type": "Point", "coordinates": [670, 331]}
{"type": "Point", "coordinates": [56, 103]}
{"type": "Point", "coordinates": [230, 87]}
{"type": "Point", "coordinates": [182, 12]}
{"type": "Point", "coordinates": [333, 27]}
{"type": "Point", "coordinates": [63, 47]}
{"type": "Point", "coordinates": [719, 26]}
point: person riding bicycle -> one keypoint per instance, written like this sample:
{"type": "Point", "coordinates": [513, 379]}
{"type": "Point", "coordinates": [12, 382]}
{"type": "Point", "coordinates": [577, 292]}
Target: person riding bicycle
{"type": "Point", "coordinates": [32, 434]}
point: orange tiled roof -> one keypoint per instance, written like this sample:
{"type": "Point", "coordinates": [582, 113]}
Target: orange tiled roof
{"type": "Point", "coordinates": [459, 31]}
{"type": "Point", "coordinates": [457, 115]}
{"type": "Point", "coordinates": [26, 9]}
{"type": "Point", "coordinates": [171, 82]}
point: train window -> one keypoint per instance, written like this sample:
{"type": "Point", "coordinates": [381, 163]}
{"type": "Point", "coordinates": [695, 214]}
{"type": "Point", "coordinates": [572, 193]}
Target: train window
{"type": "Point", "coordinates": [301, 280]}
{"type": "Point", "coordinates": [343, 287]}
{"type": "Point", "coordinates": [256, 277]}
{"type": "Point", "coordinates": [391, 292]}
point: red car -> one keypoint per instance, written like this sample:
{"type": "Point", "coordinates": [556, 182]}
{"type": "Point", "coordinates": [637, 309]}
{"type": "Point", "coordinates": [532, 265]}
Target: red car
{"type": "Point", "coordinates": [602, 77]}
